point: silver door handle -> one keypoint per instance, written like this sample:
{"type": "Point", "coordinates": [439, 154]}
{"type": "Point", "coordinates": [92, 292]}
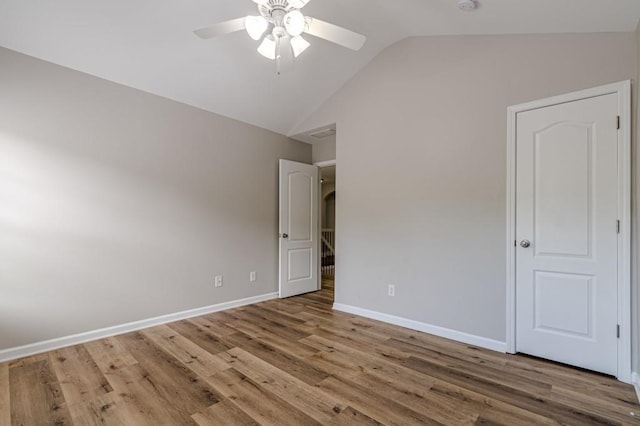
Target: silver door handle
{"type": "Point", "coordinates": [525, 243]}
{"type": "Point", "coordinates": [285, 235]}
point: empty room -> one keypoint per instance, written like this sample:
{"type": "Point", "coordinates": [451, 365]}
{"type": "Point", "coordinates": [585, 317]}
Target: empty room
{"type": "Point", "coordinates": [301, 212]}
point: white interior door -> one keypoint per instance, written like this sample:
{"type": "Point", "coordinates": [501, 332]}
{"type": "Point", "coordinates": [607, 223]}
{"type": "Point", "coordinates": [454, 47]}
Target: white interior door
{"type": "Point", "coordinates": [567, 233]}
{"type": "Point", "coordinates": [298, 228]}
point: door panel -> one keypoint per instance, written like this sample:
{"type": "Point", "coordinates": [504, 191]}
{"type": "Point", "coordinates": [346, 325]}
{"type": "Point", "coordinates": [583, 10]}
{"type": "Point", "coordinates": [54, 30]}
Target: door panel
{"type": "Point", "coordinates": [566, 207]}
{"type": "Point", "coordinates": [298, 272]}
{"type": "Point", "coordinates": [563, 190]}
{"type": "Point", "coordinates": [569, 294]}
{"type": "Point", "coordinates": [300, 206]}
{"type": "Point", "coordinates": [300, 264]}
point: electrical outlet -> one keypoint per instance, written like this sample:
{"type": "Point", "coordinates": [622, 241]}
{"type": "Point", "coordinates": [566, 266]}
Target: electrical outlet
{"type": "Point", "coordinates": [392, 290]}
{"type": "Point", "coordinates": [218, 281]}
{"type": "Point", "coordinates": [252, 276]}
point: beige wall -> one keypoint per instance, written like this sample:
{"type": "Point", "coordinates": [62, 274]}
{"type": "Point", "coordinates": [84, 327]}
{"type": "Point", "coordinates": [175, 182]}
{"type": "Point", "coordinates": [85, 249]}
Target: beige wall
{"type": "Point", "coordinates": [429, 114]}
{"type": "Point", "coordinates": [325, 150]}
{"type": "Point", "coordinates": [117, 205]}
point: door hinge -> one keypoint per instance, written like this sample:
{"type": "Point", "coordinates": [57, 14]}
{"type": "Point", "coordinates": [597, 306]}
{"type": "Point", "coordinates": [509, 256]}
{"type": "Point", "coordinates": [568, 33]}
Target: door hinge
{"type": "Point", "coordinates": [618, 226]}
{"type": "Point", "coordinates": [618, 124]}
{"type": "Point", "coordinates": [618, 331]}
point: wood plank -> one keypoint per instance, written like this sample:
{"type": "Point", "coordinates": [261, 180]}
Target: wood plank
{"type": "Point", "coordinates": [374, 405]}
{"type": "Point", "coordinates": [260, 404]}
{"type": "Point", "coordinates": [184, 350]}
{"type": "Point", "coordinates": [285, 331]}
{"type": "Point", "coordinates": [224, 413]}
{"type": "Point", "coordinates": [297, 367]}
{"type": "Point", "coordinates": [28, 360]}
{"type": "Point", "coordinates": [79, 376]}
{"type": "Point", "coordinates": [284, 305]}
{"type": "Point", "coordinates": [5, 395]}
{"type": "Point", "coordinates": [215, 327]}
{"type": "Point", "coordinates": [109, 354]}
{"type": "Point", "coordinates": [347, 359]}
{"type": "Point", "coordinates": [417, 397]}
{"type": "Point", "coordinates": [491, 411]}
{"type": "Point", "coordinates": [143, 402]}
{"type": "Point", "coordinates": [137, 399]}
{"type": "Point", "coordinates": [260, 332]}
{"type": "Point", "coordinates": [571, 378]}
{"type": "Point", "coordinates": [173, 381]}
{"type": "Point", "coordinates": [282, 317]}
{"type": "Point", "coordinates": [595, 404]}
{"type": "Point", "coordinates": [393, 381]}
{"type": "Point", "coordinates": [308, 399]}
{"type": "Point", "coordinates": [358, 340]}
{"type": "Point", "coordinates": [488, 371]}
{"type": "Point", "coordinates": [201, 336]}
{"type": "Point", "coordinates": [352, 417]}
{"type": "Point", "coordinates": [519, 397]}
{"type": "Point", "coordinates": [36, 397]}
{"type": "Point", "coordinates": [106, 409]}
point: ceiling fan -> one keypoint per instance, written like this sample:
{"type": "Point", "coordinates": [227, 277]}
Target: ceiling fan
{"type": "Point", "coordinates": [280, 25]}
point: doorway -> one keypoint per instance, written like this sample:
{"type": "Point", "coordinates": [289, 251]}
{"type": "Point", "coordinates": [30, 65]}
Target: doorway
{"type": "Point", "coordinates": [327, 227]}
{"type": "Point", "coordinates": [568, 282]}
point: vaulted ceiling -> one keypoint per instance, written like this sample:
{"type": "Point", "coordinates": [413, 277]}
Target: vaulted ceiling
{"type": "Point", "coordinates": [149, 44]}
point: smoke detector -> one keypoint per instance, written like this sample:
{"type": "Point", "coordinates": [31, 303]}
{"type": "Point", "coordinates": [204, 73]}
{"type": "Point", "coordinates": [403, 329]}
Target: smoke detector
{"type": "Point", "coordinates": [467, 4]}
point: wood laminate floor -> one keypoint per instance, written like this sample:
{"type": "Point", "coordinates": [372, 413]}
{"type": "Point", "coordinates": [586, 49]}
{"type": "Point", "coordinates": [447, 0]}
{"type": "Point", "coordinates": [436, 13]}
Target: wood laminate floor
{"type": "Point", "coordinates": [296, 362]}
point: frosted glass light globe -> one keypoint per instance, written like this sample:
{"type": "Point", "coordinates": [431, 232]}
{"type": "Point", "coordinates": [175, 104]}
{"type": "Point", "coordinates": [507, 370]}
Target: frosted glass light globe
{"type": "Point", "coordinates": [255, 26]}
{"type": "Point", "coordinates": [294, 23]}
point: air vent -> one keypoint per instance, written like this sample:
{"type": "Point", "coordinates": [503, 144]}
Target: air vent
{"type": "Point", "coordinates": [321, 134]}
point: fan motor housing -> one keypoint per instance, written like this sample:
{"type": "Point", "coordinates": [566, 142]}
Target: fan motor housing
{"type": "Point", "coordinates": [267, 9]}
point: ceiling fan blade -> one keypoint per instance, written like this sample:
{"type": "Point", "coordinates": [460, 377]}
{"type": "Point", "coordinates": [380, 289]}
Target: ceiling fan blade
{"type": "Point", "coordinates": [335, 34]}
{"type": "Point", "coordinates": [284, 55]}
{"type": "Point", "coordinates": [221, 28]}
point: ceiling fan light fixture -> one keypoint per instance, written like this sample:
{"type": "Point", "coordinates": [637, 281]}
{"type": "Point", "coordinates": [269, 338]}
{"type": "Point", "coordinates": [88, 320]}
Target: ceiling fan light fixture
{"type": "Point", "coordinates": [255, 26]}
{"type": "Point", "coordinates": [268, 47]}
{"type": "Point", "coordinates": [294, 23]}
{"type": "Point", "coordinates": [261, 2]}
{"type": "Point", "coordinates": [298, 4]}
{"type": "Point", "coordinates": [299, 45]}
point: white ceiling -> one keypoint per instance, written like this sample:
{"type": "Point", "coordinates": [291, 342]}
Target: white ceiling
{"type": "Point", "coordinates": [148, 44]}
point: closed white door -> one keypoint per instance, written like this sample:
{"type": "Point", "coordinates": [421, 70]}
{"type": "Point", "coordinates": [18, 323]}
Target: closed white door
{"type": "Point", "coordinates": [298, 228]}
{"type": "Point", "coordinates": [567, 233]}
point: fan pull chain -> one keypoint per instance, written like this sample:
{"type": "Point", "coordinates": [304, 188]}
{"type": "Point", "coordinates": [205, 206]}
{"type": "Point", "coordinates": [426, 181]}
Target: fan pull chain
{"type": "Point", "coordinates": [278, 56]}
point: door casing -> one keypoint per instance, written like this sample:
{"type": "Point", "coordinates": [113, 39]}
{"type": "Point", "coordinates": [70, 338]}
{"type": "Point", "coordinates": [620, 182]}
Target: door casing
{"type": "Point", "coordinates": [623, 90]}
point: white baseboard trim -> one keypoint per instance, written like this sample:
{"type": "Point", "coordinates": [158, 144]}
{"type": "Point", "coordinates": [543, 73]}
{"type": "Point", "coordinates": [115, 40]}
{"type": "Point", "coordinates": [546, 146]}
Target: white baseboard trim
{"type": "Point", "coordinates": [458, 336]}
{"type": "Point", "coordinates": [75, 339]}
{"type": "Point", "coordinates": [635, 381]}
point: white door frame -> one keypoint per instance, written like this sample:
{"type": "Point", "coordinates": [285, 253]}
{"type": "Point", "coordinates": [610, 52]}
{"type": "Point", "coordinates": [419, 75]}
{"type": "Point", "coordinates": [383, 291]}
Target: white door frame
{"type": "Point", "coordinates": [327, 163]}
{"type": "Point", "coordinates": [623, 90]}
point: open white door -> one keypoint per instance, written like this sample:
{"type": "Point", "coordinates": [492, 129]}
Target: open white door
{"type": "Point", "coordinates": [298, 228]}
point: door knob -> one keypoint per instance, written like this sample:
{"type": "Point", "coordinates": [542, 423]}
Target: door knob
{"type": "Point", "coordinates": [285, 235]}
{"type": "Point", "coordinates": [525, 243]}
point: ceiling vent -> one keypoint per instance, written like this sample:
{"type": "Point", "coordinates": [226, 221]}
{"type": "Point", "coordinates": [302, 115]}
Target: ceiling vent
{"type": "Point", "coordinates": [321, 134]}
